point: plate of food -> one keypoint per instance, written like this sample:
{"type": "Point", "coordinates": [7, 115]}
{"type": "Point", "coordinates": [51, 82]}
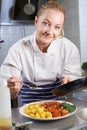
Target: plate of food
{"type": "Point", "coordinates": [48, 110]}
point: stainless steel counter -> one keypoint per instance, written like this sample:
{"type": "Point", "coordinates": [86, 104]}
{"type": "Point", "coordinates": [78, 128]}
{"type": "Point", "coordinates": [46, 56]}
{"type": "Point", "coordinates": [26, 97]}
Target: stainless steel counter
{"type": "Point", "coordinates": [69, 123]}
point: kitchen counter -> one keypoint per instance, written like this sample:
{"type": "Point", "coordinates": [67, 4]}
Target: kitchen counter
{"type": "Point", "coordinates": [17, 23]}
{"type": "Point", "coordinates": [69, 123]}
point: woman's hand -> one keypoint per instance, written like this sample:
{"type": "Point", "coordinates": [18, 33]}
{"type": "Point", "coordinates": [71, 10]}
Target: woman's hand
{"type": "Point", "coordinates": [15, 85]}
{"type": "Point", "coordinates": [66, 80]}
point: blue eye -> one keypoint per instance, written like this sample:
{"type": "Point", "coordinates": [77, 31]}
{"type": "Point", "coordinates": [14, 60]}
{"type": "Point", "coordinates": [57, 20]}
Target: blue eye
{"type": "Point", "coordinates": [45, 23]}
{"type": "Point", "coordinates": [57, 27]}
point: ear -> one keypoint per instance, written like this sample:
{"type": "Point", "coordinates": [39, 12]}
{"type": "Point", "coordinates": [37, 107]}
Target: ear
{"type": "Point", "coordinates": [36, 19]}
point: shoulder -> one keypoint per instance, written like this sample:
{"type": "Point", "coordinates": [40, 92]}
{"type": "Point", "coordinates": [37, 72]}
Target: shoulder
{"type": "Point", "coordinates": [66, 43]}
{"type": "Point", "coordinates": [22, 43]}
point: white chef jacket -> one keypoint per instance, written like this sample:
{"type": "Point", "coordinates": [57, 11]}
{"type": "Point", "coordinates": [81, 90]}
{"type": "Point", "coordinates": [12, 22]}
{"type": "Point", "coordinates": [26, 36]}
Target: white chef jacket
{"type": "Point", "coordinates": [24, 58]}
{"type": "Point", "coordinates": [26, 61]}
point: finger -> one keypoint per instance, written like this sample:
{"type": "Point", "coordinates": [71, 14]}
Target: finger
{"type": "Point", "coordinates": [14, 89]}
{"type": "Point", "coordinates": [64, 81]}
{"type": "Point", "coordinates": [15, 86]}
{"type": "Point", "coordinates": [14, 82]}
{"type": "Point", "coordinates": [13, 79]}
{"type": "Point", "coordinates": [67, 80]}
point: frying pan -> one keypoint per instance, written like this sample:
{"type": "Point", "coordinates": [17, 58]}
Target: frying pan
{"type": "Point", "coordinates": [71, 87]}
{"type": "Point", "coordinates": [29, 8]}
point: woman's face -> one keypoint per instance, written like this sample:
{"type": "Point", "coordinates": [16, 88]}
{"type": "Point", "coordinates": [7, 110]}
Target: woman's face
{"type": "Point", "coordinates": [49, 26]}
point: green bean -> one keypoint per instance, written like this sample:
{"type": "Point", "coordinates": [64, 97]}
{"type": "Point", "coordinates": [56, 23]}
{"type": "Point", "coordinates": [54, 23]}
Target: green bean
{"type": "Point", "coordinates": [68, 106]}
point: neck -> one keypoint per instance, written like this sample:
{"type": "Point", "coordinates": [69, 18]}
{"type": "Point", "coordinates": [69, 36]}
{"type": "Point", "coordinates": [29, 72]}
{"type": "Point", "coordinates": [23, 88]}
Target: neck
{"type": "Point", "coordinates": [43, 47]}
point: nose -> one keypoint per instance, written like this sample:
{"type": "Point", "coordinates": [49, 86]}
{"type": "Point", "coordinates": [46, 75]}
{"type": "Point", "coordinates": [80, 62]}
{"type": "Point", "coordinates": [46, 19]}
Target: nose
{"type": "Point", "coordinates": [50, 30]}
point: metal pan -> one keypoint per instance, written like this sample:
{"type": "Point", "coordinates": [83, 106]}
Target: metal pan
{"type": "Point", "coordinates": [29, 8]}
{"type": "Point", "coordinates": [71, 87]}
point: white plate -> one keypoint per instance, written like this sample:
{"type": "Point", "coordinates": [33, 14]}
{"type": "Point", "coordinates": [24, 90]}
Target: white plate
{"type": "Point", "coordinates": [21, 110]}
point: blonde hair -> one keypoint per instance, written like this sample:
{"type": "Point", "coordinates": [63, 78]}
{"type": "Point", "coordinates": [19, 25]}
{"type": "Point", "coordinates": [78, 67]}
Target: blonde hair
{"type": "Point", "coordinates": [52, 5]}
{"type": "Point", "coordinates": [62, 33]}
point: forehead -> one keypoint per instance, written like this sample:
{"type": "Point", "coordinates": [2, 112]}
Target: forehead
{"type": "Point", "coordinates": [52, 15]}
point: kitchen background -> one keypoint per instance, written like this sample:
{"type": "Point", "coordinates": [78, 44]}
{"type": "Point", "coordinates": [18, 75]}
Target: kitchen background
{"type": "Point", "coordinates": [15, 25]}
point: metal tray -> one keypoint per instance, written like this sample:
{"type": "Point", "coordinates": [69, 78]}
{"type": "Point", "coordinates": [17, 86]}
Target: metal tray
{"type": "Point", "coordinates": [71, 87]}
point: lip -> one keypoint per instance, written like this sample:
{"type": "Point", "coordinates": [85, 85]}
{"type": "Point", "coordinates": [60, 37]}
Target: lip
{"type": "Point", "coordinates": [48, 36]}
